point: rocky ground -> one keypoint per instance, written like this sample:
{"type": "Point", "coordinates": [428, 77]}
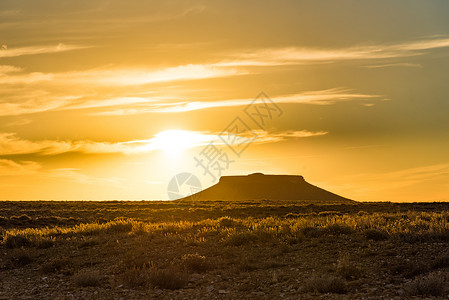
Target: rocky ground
{"type": "Point", "coordinates": [222, 259]}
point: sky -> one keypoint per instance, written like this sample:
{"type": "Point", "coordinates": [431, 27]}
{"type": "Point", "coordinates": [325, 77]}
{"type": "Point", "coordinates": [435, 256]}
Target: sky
{"type": "Point", "coordinates": [110, 100]}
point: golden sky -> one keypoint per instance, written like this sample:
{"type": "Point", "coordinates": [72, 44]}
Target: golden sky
{"type": "Point", "coordinates": [103, 100]}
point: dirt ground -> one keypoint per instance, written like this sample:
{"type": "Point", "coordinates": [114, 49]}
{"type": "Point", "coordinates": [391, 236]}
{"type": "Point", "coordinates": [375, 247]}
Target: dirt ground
{"type": "Point", "coordinates": [146, 250]}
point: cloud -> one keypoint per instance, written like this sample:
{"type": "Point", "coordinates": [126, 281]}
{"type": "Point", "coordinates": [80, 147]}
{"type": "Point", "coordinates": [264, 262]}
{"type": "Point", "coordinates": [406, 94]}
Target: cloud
{"type": "Point", "coordinates": [25, 93]}
{"type": "Point", "coordinates": [35, 104]}
{"type": "Point", "coordinates": [407, 65]}
{"type": "Point", "coordinates": [21, 168]}
{"type": "Point", "coordinates": [19, 122]}
{"type": "Point", "coordinates": [9, 13]}
{"type": "Point", "coordinates": [125, 77]}
{"type": "Point", "coordinates": [10, 144]}
{"type": "Point", "coordinates": [34, 50]}
{"type": "Point", "coordinates": [293, 134]}
{"type": "Point", "coordinates": [323, 97]}
{"type": "Point", "coordinates": [12, 168]}
{"type": "Point", "coordinates": [295, 55]}
{"type": "Point", "coordinates": [4, 69]}
{"type": "Point", "coordinates": [73, 175]}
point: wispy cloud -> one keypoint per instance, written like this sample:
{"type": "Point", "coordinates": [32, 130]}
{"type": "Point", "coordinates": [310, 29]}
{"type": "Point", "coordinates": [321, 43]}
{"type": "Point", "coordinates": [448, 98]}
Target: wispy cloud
{"type": "Point", "coordinates": [35, 104]}
{"type": "Point", "coordinates": [295, 55]}
{"type": "Point", "coordinates": [10, 144]}
{"type": "Point", "coordinates": [125, 76]}
{"type": "Point", "coordinates": [323, 97]}
{"type": "Point", "coordinates": [74, 175]}
{"type": "Point", "coordinates": [12, 168]}
{"type": "Point", "coordinates": [405, 65]}
{"type": "Point", "coordinates": [4, 69]}
{"type": "Point", "coordinates": [34, 50]}
{"type": "Point", "coordinates": [25, 93]}
{"type": "Point", "coordinates": [19, 122]}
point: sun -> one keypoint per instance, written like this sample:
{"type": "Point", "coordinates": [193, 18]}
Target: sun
{"type": "Point", "coordinates": [174, 142]}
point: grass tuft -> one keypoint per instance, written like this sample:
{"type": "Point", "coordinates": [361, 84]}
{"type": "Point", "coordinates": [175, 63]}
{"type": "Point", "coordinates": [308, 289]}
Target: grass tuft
{"type": "Point", "coordinates": [325, 284]}
{"type": "Point", "coordinates": [195, 262]}
{"type": "Point", "coordinates": [87, 278]}
{"type": "Point", "coordinates": [430, 285]}
{"type": "Point", "coordinates": [17, 241]}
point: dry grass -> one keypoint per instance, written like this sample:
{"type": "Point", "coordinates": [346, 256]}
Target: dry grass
{"type": "Point", "coordinates": [21, 257]}
{"type": "Point", "coordinates": [160, 245]}
{"type": "Point", "coordinates": [195, 262]}
{"type": "Point", "coordinates": [87, 278]}
{"type": "Point", "coordinates": [325, 284]}
{"type": "Point", "coordinates": [172, 278]}
{"type": "Point", "coordinates": [431, 285]}
{"type": "Point", "coordinates": [415, 227]}
{"type": "Point", "coordinates": [347, 269]}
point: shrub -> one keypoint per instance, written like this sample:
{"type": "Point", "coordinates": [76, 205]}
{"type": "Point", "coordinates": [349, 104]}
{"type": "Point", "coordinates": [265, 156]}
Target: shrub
{"type": "Point", "coordinates": [4, 221]}
{"type": "Point", "coordinates": [312, 232]}
{"type": "Point", "coordinates": [21, 219]}
{"type": "Point", "coordinates": [338, 229]}
{"type": "Point", "coordinates": [329, 214]}
{"type": "Point", "coordinates": [241, 238]}
{"type": "Point", "coordinates": [248, 264]}
{"type": "Point", "coordinates": [410, 269]}
{"type": "Point", "coordinates": [45, 244]}
{"type": "Point", "coordinates": [17, 241]}
{"type": "Point", "coordinates": [440, 262]}
{"type": "Point", "coordinates": [64, 266]}
{"type": "Point", "coordinates": [170, 278]}
{"type": "Point", "coordinates": [430, 285]}
{"type": "Point", "coordinates": [325, 284]}
{"type": "Point", "coordinates": [88, 278]}
{"type": "Point", "coordinates": [348, 270]}
{"type": "Point", "coordinates": [21, 257]}
{"type": "Point", "coordinates": [195, 262]}
{"type": "Point", "coordinates": [136, 259]}
{"type": "Point", "coordinates": [119, 225]}
{"type": "Point", "coordinates": [139, 228]}
{"type": "Point", "coordinates": [227, 222]}
{"type": "Point", "coordinates": [376, 235]}
{"type": "Point", "coordinates": [137, 277]}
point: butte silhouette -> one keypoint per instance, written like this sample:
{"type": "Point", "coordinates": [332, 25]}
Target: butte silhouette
{"type": "Point", "coordinates": [259, 186]}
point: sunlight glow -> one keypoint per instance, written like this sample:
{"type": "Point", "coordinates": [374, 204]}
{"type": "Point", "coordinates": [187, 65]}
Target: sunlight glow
{"type": "Point", "coordinates": [173, 142]}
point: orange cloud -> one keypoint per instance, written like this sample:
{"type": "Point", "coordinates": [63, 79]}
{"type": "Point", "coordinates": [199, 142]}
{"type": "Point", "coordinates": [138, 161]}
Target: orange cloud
{"type": "Point", "coordinates": [323, 97]}
{"type": "Point", "coordinates": [33, 50]}
{"type": "Point", "coordinates": [10, 144]}
{"type": "Point", "coordinates": [295, 55]}
{"type": "Point", "coordinates": [12, 168]}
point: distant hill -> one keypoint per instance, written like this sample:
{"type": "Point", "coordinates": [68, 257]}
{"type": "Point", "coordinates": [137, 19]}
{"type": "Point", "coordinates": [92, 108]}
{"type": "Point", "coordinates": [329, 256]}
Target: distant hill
{"type": "Point", "coordinates": [259, 186]}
